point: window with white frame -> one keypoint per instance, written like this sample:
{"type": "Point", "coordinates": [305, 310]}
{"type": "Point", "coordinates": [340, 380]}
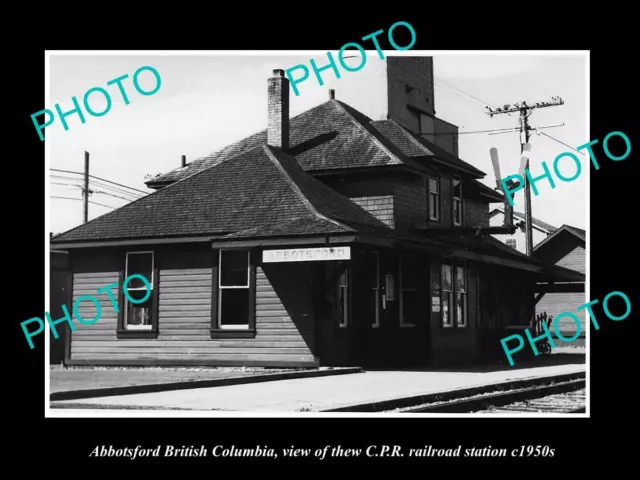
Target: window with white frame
{"type": "Point", "coordinates": [454, 293]}
{"type": "Point", "coordinates": [461, 293]}
{"type": "Point", "coordinates": [343, 298]}
{"type": "Point", "coordinates": [433, 187]}
{"type": "Point", "coordinates": [233, 289]}
{"type": "Point", "coordinates": [512, 242]}
{"type": "Point", "coordinates": [457, 201]}
{"type": "Point", "coordinates": [373, 278]}
{"type": "Point", "coordinates": [137, 316]}
{"type": "Point", "coordinates": [409, 306]}
{"type": "Point", "coordinates": [447, 292]}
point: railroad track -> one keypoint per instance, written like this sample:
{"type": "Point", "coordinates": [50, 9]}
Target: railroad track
{"type": "Point", "coordinates": [561, 397]}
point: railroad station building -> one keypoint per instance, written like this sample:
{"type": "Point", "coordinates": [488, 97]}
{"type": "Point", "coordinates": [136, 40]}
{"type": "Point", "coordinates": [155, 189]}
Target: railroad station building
{"type": "Point", "coordinates": [327, 239]}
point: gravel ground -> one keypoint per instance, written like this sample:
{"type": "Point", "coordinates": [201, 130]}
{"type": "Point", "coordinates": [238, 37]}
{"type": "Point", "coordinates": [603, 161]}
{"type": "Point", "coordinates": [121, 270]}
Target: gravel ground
{"type": "Point", "coordinates": [485, 394]}
{"type": "Point", "coordinates": [559, 403]}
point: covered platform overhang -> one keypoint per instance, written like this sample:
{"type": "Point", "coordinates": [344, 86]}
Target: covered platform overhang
{"type": "Point", "coordinates": [577, 286]}
{"type": "Point", "coordinates": [488, 250]}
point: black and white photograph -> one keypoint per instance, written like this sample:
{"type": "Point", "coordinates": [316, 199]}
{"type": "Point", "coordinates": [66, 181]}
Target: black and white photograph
{"type": "Point", "coordinates": [392, 236]}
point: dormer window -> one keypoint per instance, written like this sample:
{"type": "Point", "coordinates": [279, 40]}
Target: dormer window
{"type": "Point", "coordinates": [457, 201]}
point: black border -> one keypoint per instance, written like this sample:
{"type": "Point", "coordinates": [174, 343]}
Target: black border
{"type": "Point", "coordinates": [63, 445]}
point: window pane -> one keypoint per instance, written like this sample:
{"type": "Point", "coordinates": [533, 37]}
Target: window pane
{"type": "Point", "coordinates": [446, 308]}
{"type": "Point", "coordinates": [460, 278]}
{"type": "Point", "coordinates": [140, 264]}
{"type": "Point", "coordinates": [234, 306]}
{"type": "Point", "coordinates": [433, 186]}
{"type": "Point", "coordinates": [446, 277]}
{"type": "Point", "coordinates": [460, 317]}
{"type": "Point", "coordinates": [138, 295]}
{"type": "Point", "coordinates": [434, 206]}
{"type": "Point", "coordinates": [410, 307]}
{"type": "Point", "coordinates": [457, 213]}
{"type": "Point", "coordinates": [139, 314]}
{"type": "Point", "coordinates": [457, 188]}
{"type": "Point", "coordinates": [234, 268]}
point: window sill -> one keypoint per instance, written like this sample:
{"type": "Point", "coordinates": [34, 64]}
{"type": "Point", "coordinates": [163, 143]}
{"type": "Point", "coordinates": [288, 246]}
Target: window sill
{"type": "Point", "coordinates": [137, 334]}
{"type": "Point", "coordinates": [226, 333]}
{"type": "Point", "coordinates": [407, 325]}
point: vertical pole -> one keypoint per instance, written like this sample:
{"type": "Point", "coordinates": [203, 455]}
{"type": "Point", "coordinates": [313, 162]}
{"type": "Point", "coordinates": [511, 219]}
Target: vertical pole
{"type": "Point", "coordinates": [85, 190]}
{"type": "Point", "coordinates": [524, 125]}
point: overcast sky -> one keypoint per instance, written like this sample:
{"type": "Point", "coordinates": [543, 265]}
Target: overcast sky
{"type": "Point", "coordinates": [208, 101]}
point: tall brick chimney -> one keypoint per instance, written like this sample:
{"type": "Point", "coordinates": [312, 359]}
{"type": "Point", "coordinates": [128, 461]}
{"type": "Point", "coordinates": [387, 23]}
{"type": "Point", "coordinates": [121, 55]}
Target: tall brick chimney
{"type": "Point", "coordinates": [278, 128]}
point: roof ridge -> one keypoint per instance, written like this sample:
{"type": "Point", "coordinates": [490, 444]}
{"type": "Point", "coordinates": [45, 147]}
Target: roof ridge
{"type": "Point", "coordinates": [408, 135]}
{"type": "Point", "coordinates": [163, 189]}
{"type": "Point", "coordinates": [294, 186]}
{"type": "Point", "coordinates": [418, 139]}
{"type": "Point", "coordinates": [361, 127]}
{"type": "Point", "coordinates": [246, 137]}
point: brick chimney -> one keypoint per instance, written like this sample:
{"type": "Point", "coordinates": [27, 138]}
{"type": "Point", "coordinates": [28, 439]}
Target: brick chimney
{"type": "Point", "coordinates": [278, 128]}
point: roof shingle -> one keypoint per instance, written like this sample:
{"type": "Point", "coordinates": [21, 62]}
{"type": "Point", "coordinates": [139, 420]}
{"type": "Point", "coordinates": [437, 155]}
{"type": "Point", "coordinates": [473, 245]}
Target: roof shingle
{"type": "Point", "coordinates": [256, 189]}
{"type": "Point", "coordinates": [331, 136]}
{"type": "Point", "coordinates": [414, 145]}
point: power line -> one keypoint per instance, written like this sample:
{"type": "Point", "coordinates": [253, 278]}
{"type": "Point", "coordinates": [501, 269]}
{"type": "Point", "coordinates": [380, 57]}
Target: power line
{"type": "Point", "coordinates": [559, 141]}
{"type": "Point", "coordinates": [112, 195]}
{"type": "Point", "coordinates": [118, 190]}
{"type": "Point", "coordinates": [66, 184]}
{"type": "Point", "coordinates": [101, 179]}
{"type": "Point", "coordinates": [80, 199]}
{"type": "Point", "coordinates": [451, 87]}
{"type": "Point", "coordinates": [131, 197]}
{"type": "Point", "coordinates": [476, 131]}
{"type": "Point", "coordinates": [118, 184]}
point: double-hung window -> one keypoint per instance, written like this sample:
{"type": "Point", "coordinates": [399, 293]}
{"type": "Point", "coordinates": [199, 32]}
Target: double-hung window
{"type": "Point", "coordinates": [138, 316]}
{"type": "Point", "coordinates": [454, 293]}
{"type": "Point", "coordinates": [233, 289]}
{"type": "Point", "coordinates": [457, 201]}
{"type": "Point", "coordinates": [409, 305]}
{"type": "Point", "coordinates": [433, 200]}
{"type": "Point", "coordinates": [461, 293]}
{"type": "Point", "coordinates": [447, 292]}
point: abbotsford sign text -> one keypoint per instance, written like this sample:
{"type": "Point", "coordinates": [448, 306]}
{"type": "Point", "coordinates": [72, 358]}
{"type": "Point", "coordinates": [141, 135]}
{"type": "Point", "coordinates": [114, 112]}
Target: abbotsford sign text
{"type": "Point", "coordinates": [306, 254]}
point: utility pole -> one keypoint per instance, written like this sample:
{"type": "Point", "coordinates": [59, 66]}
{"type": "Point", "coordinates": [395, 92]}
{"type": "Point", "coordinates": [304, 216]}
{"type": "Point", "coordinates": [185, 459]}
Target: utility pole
{"type": "Point", "coordinates": [85, 190]}
{"type": "Point", "coordinates": [525, 110]}
{"type": "Point", "coordinates": [524, 129]}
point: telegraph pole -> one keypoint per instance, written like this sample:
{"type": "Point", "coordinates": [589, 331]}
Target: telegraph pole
{"type": "Point", "coordinates": [526, 110]}
{"type": "Point", "coordinates": [524, 129]}
{"type": "Point", "coordinates": [85, 190]}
